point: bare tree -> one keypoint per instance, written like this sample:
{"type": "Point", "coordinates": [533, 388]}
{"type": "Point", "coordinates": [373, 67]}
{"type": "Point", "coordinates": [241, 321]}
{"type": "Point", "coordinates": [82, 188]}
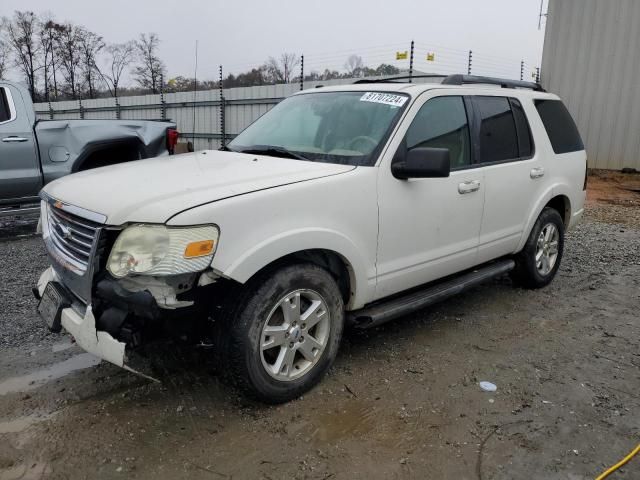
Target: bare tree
{"type": "Point", "coordinates": [4, 58]}
{"type": "Point", "coordinates": [150, 69]}
{"type": "Point", "coordinates": [69, 56]}
{"type": "Point", "coordinates": [89, 46]}
{"type": "Point", "coordinates": [281, 70]}
{"type": "Point", "coordinates": [354, 65]}
{"type": "Point", "coordinates": [119, 56]}
{"type": "Point", "coordinates": [49, 32]}
{"type": "Point", "coordinates": [22, 37]}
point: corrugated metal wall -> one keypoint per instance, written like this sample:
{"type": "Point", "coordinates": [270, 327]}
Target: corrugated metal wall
{"type": "Point", "coordinates": [591, 59]}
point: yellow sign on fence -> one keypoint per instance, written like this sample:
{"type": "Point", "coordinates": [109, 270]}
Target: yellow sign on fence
{"type": "Point", "coordinates": [402, 55]}
{"type": "Point", "coordinates": [431, 57]}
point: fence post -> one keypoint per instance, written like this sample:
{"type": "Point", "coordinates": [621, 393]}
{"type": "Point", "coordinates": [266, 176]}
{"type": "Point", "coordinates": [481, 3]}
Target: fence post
{"type": "Point", "coordinates": [81, 108]}
{"type": "Point", "coordinates": [118, 114]}
{"type": "Point", "coordinates": [50, 111]}
{"type": "Point", "coordinates": [411, 64]}
{"type": "Point", "coordinates": [521, 70]}
{"type": "Point", "coordinates": [470, 59]}
{"type": "Point", "coordinates": [163, 108]}
{"type": "Point", "coordinates": [301, 72]}
{"type": "Point", "coordinates": [537, 74]}
{"type": "Point", "coordinates": [223, 141]}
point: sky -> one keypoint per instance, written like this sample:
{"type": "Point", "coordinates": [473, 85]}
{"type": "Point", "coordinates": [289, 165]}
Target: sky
{"type": "Point", "coordinates": [242, 34]}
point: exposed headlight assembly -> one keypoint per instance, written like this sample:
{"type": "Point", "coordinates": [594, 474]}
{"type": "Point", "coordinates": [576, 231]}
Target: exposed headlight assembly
{"type": "Point", "coordinates": [160, 250]}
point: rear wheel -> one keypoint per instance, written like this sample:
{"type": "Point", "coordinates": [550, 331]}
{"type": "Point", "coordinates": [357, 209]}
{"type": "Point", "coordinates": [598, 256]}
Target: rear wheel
{"type": "Point", "coordinates": [284, 333]}
{"type": "Point", "coordinates": [539, 260]}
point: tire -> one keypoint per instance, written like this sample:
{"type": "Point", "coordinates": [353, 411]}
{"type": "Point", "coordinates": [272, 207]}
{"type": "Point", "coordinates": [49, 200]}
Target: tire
{"type": "Point", "coordinates": [546, 240]}
{"type": "Point", "coordinates": [276, 358]}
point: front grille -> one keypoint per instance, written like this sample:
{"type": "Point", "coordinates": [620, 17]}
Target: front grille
{"type": "Point", "coordinates": [72, 236]}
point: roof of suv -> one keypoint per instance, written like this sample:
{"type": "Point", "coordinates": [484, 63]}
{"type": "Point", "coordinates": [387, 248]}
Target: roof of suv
{"type": "Point", "coordinates": [415, 89]}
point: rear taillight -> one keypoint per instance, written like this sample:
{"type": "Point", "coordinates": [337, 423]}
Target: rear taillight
{"type": "Point", "coordinates": [586, 175]}
{"type": "Point", "coordinates": [172, 139]}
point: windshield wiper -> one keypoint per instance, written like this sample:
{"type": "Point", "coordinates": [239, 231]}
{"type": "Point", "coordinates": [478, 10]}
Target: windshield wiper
{"type": "Point", "coordinates": [272, 151]}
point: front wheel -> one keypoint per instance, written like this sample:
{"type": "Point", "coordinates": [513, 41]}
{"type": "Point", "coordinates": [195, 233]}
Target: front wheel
{"type": "Point", "coordinates": [539, 260]}
{"type": "Point", "coordinates": [284, 333]}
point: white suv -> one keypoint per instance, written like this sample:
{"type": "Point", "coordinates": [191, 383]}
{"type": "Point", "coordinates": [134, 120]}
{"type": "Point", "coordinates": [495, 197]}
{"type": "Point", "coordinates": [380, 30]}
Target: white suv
{"type": "Point", "coordinates": [349, 205]}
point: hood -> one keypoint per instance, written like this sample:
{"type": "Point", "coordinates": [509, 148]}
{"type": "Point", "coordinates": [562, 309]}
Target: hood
{"type": "Point", "coordinates": [155, 189]}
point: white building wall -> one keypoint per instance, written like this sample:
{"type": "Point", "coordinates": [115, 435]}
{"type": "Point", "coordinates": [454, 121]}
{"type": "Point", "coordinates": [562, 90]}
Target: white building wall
{"type": "Point", "coordinates": [591, 59]}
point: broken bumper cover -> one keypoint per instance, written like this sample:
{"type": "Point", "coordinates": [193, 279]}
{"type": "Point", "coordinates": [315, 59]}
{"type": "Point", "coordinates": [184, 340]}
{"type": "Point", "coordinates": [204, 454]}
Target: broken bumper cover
{"type": "Point", "coordinates": [83, 329]}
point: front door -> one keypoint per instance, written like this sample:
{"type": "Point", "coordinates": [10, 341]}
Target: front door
{"type": "Point", "coordinates": [429, 227]}
{"type": "Point", "coordinates": [19, 166]}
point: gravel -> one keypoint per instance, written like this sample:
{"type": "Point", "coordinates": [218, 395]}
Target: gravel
{"type": "Point", "coordinates": [564, 358]}
{"type": "Point", "coordinates": [22, 260]}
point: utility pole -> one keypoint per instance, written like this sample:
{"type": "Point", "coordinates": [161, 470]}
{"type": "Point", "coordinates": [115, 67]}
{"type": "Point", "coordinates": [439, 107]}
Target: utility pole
{"type": "Point", "coordinates": [540, 15]}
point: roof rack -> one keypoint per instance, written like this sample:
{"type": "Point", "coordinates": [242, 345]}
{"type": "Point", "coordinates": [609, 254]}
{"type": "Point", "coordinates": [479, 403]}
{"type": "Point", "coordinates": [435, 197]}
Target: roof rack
{"type": "Point", "coordinates": [462, 80]}
{"type": "Point", "coordinates": [393, 79]}
{"type": "Point", "coordinates": [504, 83]}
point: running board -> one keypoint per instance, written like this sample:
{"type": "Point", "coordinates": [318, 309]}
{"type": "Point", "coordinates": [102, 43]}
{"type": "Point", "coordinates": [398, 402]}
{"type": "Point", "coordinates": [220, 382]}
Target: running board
{"type": "Point", "coordinates": [384, 311]}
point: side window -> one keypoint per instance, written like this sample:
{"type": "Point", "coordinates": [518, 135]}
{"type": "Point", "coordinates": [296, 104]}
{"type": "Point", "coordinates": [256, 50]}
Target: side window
{"type": "Point", "coordinates": [525, 142]}
{"type": "Point", "coordinates": [560, 127]}
{"type": "Point", "coordinates": [442, 123]}
{"type": "Point", "coordinates": [5, 111]}
{"type": "Point", "coordinates": [498, 138]}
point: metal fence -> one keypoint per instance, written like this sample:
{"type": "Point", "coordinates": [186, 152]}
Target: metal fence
{"type": "Point", "coordinates": [206, 117]}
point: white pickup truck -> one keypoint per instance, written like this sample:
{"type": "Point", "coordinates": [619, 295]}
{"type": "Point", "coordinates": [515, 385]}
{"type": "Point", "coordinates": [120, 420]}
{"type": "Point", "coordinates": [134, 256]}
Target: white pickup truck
{"type": "Point", "coordinates": [349, 205]}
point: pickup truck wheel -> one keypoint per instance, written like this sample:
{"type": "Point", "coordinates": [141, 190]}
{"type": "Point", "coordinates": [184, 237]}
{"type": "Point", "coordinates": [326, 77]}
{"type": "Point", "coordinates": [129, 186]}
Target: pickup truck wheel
{"type": "Point", "coordinates": [285, 333]}
{"type": "Point", "coordinates": [539, 260]}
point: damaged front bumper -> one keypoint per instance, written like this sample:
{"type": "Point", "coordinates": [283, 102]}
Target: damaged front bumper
{"type": "Point", "coordinates": [80, 322]}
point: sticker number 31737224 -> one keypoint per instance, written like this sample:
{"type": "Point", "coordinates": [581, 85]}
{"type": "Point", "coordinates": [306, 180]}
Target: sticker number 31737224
{"type": "Point", "coordinates": [386, 98]}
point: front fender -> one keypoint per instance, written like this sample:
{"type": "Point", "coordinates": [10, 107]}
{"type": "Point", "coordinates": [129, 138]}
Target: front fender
{"type": "Point", "coordinates": [273, 248]}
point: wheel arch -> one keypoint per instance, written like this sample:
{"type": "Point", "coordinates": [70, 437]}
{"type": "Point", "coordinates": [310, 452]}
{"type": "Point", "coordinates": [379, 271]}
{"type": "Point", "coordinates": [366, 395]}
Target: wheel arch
{"type": "Point", "coordinates": [324, 248]}
{"type": "Point", "coordinates": [92, 154]}
{"type": "Point", "coordinates": [562, 205]}
{"type": "Point", "coordinates": [556, 197]}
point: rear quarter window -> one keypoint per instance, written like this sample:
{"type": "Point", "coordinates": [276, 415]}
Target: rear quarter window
{"type": "Point", "coordinates": [560, 127]}
{"type": "Point", "coordinates": [5, 111]}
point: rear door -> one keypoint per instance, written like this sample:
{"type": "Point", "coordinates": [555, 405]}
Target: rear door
{"type": "Point", "coordinates": [514, 174]}
{"type": "Point", "coordinates": [19, 166]}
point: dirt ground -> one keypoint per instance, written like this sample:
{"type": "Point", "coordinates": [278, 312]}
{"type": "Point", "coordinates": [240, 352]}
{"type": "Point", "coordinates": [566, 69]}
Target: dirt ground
{"type": "Point", "coordinates": [402, 401]}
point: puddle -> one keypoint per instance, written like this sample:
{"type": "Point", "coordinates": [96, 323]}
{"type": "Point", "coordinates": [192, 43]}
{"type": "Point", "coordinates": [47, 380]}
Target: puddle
{"type": "Point", "coordinates": [32, 471]}
{"type": "Point", "coordinates": [38, 378]}
{"type": "Point", "coordinates": [61, 347]}
{"type": "Point", "coordinates": [354, 420]}
{"type": "Point", "coordinates": [22, 423]}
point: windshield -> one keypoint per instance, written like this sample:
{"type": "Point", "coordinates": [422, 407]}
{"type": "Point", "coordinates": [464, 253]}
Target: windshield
{"type": "Point", "coordinates": [334, 127]}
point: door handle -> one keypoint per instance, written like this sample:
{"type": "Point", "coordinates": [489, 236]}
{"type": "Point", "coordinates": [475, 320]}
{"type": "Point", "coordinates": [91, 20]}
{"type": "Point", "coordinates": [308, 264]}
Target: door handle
{"type": "Point", "coordinates": [536, 172]}
{"type": "Point", "coordinates": [468, 187]}
{"type": "Point", "coordinates": [14, 139]}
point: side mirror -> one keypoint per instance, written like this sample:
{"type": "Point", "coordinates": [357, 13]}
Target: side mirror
{"type": "Point", "coordinates": [424, 162]}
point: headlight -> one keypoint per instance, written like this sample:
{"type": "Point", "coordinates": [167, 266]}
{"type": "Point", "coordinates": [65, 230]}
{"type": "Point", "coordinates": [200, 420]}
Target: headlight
{"type": "Point", "coordinates": [160, 250]}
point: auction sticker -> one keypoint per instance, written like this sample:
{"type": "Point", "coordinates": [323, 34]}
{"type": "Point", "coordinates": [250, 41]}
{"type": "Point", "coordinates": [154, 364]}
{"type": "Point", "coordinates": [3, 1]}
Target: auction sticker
{"type": "Point", "coordinates": [386, 98]}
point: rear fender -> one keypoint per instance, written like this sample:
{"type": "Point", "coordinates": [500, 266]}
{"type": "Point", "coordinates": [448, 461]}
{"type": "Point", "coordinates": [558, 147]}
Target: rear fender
{"type": "Point", "coordinates": [553, 191]}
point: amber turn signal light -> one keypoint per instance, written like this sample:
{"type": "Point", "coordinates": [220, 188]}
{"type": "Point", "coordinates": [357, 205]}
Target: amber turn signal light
{"type": "Point", "coordinates": [199, 249]}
